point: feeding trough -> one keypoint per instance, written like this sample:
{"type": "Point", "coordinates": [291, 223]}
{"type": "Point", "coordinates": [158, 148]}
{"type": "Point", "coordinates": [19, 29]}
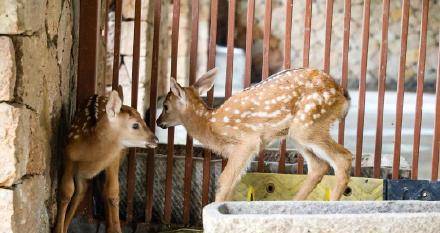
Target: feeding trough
{"type": "Point", "coordinates": [313, 217]}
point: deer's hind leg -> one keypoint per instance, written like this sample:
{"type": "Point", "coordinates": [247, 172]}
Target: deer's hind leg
{"type": "Point", "coordinates": [318, 141]}
{"type": "Point", "coordinates": [339, 158]}
{"type": "Point", "coordinates": [316, 169]}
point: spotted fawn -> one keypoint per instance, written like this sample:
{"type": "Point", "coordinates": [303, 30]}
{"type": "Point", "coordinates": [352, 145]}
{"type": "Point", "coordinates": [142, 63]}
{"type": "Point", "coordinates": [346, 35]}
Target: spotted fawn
{"type": "Point", "coordinates": [301, 104]}
{"type": "Point", "coordinates": [99, 133]}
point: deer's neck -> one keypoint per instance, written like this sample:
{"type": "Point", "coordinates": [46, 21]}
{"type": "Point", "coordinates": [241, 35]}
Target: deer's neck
{"type": "Point", "coordinates": [196, 122]}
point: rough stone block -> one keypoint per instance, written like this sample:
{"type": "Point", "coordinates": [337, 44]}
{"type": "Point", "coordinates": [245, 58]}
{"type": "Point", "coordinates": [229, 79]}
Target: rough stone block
{"type": "Point", "coordinates": [21, 16]}
{"type": "Point", "coordinates": [6, 201]}
{"type": "Point", "coordinates": [7, 69]}
{"type": "Point", "coordinates": [39, 71]}
{"type": "Point", "coordinates": [14, 142]}
{"type": "Point", "coordinates": [30, 212]}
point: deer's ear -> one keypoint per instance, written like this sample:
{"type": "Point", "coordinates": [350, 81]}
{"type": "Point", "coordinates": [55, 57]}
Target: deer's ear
{"type": "Point", "coordinates": [205, 82]}
{"type": "Point", "coordinates": [176, 89]}
{"type": "Point", "coordinates": [114, 105]}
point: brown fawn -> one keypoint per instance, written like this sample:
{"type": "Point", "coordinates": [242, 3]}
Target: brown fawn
{"type": "Point", "coordinates": [299, 103]}
{"type": "Point", "coordinates": [98, 135]}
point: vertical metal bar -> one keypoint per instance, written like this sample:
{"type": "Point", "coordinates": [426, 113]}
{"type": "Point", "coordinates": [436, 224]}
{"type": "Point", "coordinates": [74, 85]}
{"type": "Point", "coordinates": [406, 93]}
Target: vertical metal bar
{"type": "Point", "coordinates": [107, 10]}
{"type": "Point", "coordinates": [170, 144]}
{"type": "Point", "coordinates": [189, 140]}
{"type": "Point", "coordinates": [265, 71]}
{"type": "Point", "coordinates": [362, 85]}
{"type": "Point", "coordinates": [153, 103]}
{"type": "Point", "coordinates": [436, 138]}
{"type": "Point", "coordinates": [381, 87]}
{"type": "Point", "coordinates": [229, 55]}
{"type": "Point", "coordinates": [131, 171]}
{"type": "Point", "coordinates": [328, 34]}
{"type": "Point", "coordinates": [116, 45]}
{"type": "Point", "coordinates": [286, 65]}
{"type": "Point", "coordinates": [87, 67]}
{"type": "Point", "coordinates": [249, 40]}
{"type": "Point", "coordinates": [345, 49]}
{"type": "Point", "coordinates": [306, 53]}
{"type": "Point", "coordinates": [211, 64]}
{"type": "Point", "coordinates": [307, 32]}
{"type": "Point", "coordinates": [420, 80]}
{"type": "Point", "coordinates": [400, 88]}
{"type": "Point", "coordinates": [88, 49]}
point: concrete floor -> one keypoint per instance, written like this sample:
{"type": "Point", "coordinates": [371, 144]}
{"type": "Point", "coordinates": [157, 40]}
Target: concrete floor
{"type": "Point", "coordinates": [370, 128]}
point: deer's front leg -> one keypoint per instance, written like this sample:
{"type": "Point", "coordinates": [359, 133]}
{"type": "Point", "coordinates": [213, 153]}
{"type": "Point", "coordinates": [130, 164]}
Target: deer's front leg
{"type": "Point", "coordinates": [231, 175]}
{"type": "Point", "coordinates": [66, 191]}
{"type": "Point", "coordinates": [111, 196]}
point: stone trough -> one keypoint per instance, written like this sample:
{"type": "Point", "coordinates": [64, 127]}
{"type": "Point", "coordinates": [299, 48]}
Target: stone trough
{"type": "Point", "coordinates": [328, 217]}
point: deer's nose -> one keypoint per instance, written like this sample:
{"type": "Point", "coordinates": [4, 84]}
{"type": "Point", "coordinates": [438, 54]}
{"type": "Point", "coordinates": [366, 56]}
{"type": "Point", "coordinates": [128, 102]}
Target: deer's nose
{"type": "Point", "coordinates": [152, 143]}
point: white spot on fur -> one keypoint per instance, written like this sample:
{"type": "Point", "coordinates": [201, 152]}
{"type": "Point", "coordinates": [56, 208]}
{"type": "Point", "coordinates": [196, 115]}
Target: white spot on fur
{"type": "Point", "coordinates": [309, 107]}
{"type": "Point", "coordinates": [236, 111]}
{"type": "Point", "coordinates": [237, 120]}
{"type": "Point", "coordinates": [213, 120]}
{"type": "Point", "coordinates": [225, 119]}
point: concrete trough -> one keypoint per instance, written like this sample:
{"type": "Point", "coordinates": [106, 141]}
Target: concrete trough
{"type": "Point", "coordinates": [328, 217]}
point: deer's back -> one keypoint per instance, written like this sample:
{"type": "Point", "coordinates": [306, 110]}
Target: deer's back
{"type": "Point", "coordinates": [299, 95]}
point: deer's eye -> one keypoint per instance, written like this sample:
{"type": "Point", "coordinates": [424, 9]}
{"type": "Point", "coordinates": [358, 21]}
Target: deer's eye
{"type": "Point", "coordinates": [135, 126]}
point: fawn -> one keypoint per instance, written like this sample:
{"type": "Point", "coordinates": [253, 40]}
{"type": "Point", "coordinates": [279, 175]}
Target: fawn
{"type": "Point", "coordinates": [299, 103]}
{"type": "Point", "coordinates": [100, 132]}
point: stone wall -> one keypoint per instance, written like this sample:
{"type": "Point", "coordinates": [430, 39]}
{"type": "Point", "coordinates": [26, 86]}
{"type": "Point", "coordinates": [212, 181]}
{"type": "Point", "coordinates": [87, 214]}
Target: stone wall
{"type": "Point", "coordinates": [36, 85]}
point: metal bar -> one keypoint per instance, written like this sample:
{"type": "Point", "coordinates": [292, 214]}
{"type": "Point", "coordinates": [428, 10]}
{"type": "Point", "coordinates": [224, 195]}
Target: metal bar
{"type": "Point", "coordinates": [362, 84]}
{"type": "Point", "coordinates": [249, 40]}
{"type": "Point", "coordinates": [436, 138]}
{"type": "Point", "coordinates": [229, 55]}
{"type": "Point", "coordinates": [131, 171]}
{"type": "Point", "coordinates": [116, 45]}
{"type": "Point", "coordinates": [381, 87]}
{"type": "Point", "coordinates": [307, 32]}
{"type": "Point", "coordinates": [286, 65]}
{"type": "Point", "coordinates": [306, 53]}
{"type": "Point", "coordinates": [420, 80]}
{"type": "Point", "coordinates": [88, 49]}
{"type": "Point", "coordinates": [345, 49]}
{"type": "Point", "coordinates": [189, 140]}
{"type": "Point", "coordinates": [328, 34]}
{"type": "Point", "coordinates": [87, 68]}
{"type": "Point", "coordinates": [211, 64]}
{"type": "Point", "coordinates": [170, 142]}
{"type": "Point", "coordinates": [153, 103]}
{"type": "Point", "coordinates": [265, 71]}
{"type": "Point", "coordinates": [400, 88]}
{"type": "Point", "coordinates": [230, 49]}
{"type": "Point", "coordinates": [107, 10]}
